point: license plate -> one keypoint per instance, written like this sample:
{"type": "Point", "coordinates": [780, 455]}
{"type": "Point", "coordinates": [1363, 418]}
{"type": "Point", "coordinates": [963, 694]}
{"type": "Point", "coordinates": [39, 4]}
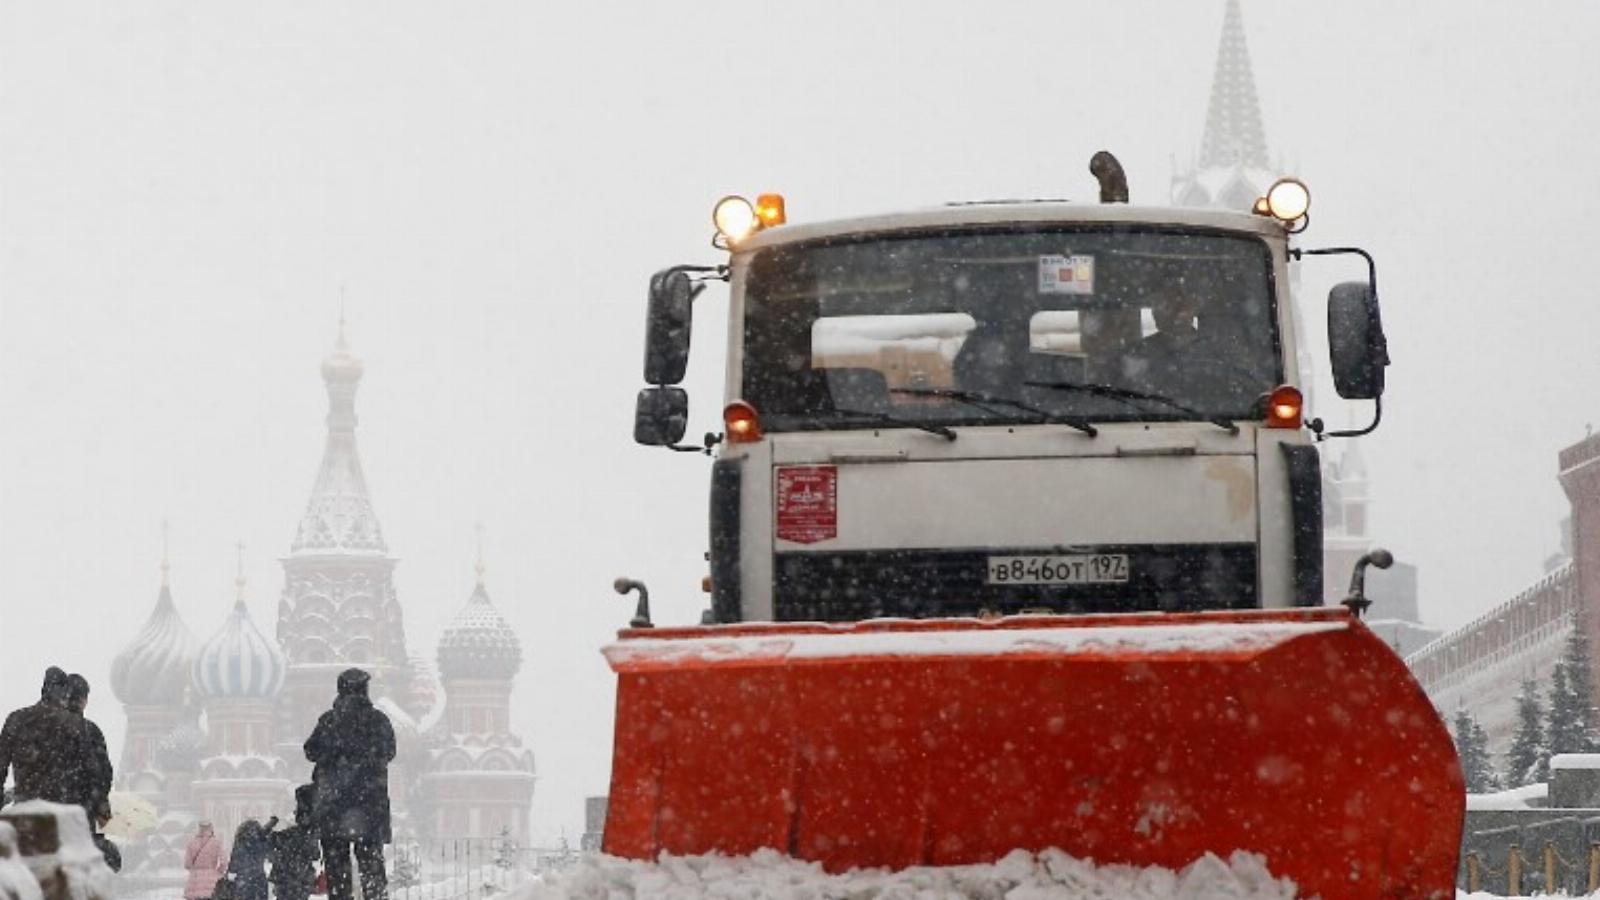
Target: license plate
{"type": "Point", "coordinates": [1089, 568]}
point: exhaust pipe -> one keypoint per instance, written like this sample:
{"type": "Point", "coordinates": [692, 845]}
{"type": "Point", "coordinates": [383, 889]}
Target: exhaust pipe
{"type": "Point", "coordinates": [1113, 181]}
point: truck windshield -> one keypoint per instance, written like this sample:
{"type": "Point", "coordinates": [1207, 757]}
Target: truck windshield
{"type": "Point", "coordinates": [1005, 326]}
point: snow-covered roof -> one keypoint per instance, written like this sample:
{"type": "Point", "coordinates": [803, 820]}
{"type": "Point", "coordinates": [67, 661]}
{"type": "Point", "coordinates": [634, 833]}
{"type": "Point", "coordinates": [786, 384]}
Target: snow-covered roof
{"type": "Point", "coordinates": [1050, 212]}
{"type": "Point", "coordinates": [1575, 761]}
{"type": "Point", "coordinates": [1530, 796]}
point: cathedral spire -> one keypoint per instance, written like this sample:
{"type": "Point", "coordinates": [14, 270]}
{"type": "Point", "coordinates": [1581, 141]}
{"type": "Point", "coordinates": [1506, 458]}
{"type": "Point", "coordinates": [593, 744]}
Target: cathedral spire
{"type": "Point", "coordinates": [339, 518]}
{"type": "Point", "coordinates": [1234, 135]}
{"type": "Point", "coordinates": [479, 567]}
{"type": "Point", "coordinates": [166, 556]}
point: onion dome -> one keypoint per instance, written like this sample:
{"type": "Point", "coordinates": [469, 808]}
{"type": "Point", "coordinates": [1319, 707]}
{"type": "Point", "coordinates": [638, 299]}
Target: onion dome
{"type": "Point", "coordinates": [154, 668]}
{"type": "Point", "coordinates": [239, 661]}
{"type": "Point", "coordinates": [479, 643]}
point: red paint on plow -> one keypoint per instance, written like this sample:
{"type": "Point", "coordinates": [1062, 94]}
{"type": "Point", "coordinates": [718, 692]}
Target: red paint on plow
{"type": "Point", "coordinates": [1313, 747]}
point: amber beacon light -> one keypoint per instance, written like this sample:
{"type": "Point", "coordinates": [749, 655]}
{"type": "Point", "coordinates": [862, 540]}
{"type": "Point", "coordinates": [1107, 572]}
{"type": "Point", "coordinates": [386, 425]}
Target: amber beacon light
{"type": "Point", "coordinates": [742, 423]}
{"type": "Point", "coordinates": [1284, 407]}
{"type": "Point", "coordinates": [769, 209]}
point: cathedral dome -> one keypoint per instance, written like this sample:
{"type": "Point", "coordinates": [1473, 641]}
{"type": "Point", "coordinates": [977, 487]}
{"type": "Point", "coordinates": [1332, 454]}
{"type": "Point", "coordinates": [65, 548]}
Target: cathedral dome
{"type": "Point", "coordinates": [154, 668]}
{"type": "Point", "coordinates": [239, 661]}
{"type": "Point", "coordinates": [479, 643]}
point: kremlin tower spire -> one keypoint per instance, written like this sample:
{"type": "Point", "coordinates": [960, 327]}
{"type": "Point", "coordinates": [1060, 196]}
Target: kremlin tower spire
{"type": "Point", "coordinates": [1234, 134]}
{"type": "Point", "coordinates": [1233, 169]}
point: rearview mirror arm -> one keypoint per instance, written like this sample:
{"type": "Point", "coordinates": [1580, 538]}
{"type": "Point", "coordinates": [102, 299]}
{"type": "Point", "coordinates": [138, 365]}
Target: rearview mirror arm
{"type": "Point", "coordinates": [1377, 416]}
{"type": "Point", "coordinates": [1295, 253]}
{"type": "Point", "coordinates": [710, 441]}
{"type": "Point", "coordinates": [701, 274]}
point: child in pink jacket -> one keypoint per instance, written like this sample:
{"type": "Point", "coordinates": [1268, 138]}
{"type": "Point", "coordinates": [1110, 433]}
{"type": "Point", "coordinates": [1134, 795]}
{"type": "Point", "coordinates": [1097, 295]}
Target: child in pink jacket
{"type": "Point", "coordinates": [203, 859]}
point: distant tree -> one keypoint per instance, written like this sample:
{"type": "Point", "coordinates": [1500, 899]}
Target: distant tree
{"type": "Point", "coordinates": [1472, 745]}
{"type": "Point", "coordinates": [1573, 717]}
{"type": "Point", "coordinates": [1528, 761]}
{"type": "Point", "coordinates": [505, 848]}
{"type": "Point", "coordinates": [407, 870]}
{"type": "Point", "coordinates": [1490, 778]}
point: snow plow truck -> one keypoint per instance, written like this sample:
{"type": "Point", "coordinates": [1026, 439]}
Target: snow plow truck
{"type": "Point", "coordinates": [1016, 542]}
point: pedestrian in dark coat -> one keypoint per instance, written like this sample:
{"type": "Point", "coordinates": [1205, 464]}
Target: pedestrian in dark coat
{"type": "Point", "coordinates": [91, 785]}
{"type": "Point", "coordinates": [247, 861]}
{"type": "Point", "coordinates": [295, 851]}
{"type": "Point", "coordinates": [351, 749]}
{"type": "Point", "coordinates": [44, 745]}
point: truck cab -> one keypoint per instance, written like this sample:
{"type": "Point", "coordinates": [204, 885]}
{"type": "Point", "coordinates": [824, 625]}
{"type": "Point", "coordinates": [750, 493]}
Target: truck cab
{"type": "Point", "coordinates": [995, 409]}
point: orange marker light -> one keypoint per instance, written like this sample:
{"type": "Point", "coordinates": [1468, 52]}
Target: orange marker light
{"type": "Point", "coordinates": [769, 208]}
{"type": "Point", "coordinates": [1284, 406]}
{"type": "Point", "coordinates": [741, 422]}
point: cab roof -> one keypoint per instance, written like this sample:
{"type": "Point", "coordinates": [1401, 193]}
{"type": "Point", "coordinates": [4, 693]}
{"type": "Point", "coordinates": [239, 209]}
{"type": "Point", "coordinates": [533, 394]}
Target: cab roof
{"type": "Point", "coordinates": [957, 215]}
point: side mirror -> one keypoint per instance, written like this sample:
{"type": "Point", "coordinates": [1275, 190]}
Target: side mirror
{"type": "Point", "coordinates": [1356, 346]}
{"type": "Point", "coordinates": [660, 416]}
{"type": "Point", "coordinates": [666, 339]}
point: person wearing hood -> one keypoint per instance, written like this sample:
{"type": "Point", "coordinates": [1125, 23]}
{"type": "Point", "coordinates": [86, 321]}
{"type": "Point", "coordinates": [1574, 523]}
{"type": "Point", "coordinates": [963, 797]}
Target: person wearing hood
{"type": "Point", "coordinates": [295, 851]}
{"type": "Point", "coordinates": [45, 745]}
{"type": "Point", "coordinates": [204, 861]}
{"type": "Point", "coordinates": [350, 750]}
{"type": "Point", "coordinates": [91, 785]}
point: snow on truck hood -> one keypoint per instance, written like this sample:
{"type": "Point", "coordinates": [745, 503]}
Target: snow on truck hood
{"type": "Point", "coordinates": [1215, 635]}
{"type": "Point", "coordinates": [1048, 874]}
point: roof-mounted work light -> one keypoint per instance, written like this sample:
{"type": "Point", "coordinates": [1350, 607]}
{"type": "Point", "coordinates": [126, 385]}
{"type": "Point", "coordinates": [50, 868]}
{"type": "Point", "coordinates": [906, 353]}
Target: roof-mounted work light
{"type": "Point", "coordinates": [735, 218]}
{"type": "Point", "coordinates": [1288, 200]}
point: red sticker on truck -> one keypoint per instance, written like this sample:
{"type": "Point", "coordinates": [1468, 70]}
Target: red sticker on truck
{"type": "Point", "coordinates": [808, 503]}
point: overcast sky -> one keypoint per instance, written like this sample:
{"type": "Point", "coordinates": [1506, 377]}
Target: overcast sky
{"type": "Point", "coordinates": [187, 188]}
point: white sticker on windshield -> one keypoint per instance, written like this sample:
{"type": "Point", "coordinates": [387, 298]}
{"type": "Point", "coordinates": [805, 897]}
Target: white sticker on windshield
{"type": "Point", "coordinates": [1066, 274]}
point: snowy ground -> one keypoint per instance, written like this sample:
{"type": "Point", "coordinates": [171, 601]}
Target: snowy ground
{"type": "Point", "coordinates": [1019, 876]}
{"type": "Point", "coordinates": [1050, 875]}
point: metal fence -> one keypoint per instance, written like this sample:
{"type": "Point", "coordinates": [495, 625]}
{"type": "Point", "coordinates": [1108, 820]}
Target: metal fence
{"type": "Point", "coordinates": [471, 868]}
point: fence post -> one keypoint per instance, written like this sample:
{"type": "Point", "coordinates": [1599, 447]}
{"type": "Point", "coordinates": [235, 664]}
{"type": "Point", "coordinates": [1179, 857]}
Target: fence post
{"type": "Point", "coordinates": [1514, 872]}
{"type": "Point", "coordinates": [1549, 867]}
{"type": "Point", "coordinates": [1594, 867]}
{"type": "Point", "coordinates": [1472, 872]}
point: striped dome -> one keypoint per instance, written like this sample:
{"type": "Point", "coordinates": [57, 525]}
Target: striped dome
{"type": "Point", "coordinates": [154, 668]}
{"type": "Point", "coordinates": [239, 661]}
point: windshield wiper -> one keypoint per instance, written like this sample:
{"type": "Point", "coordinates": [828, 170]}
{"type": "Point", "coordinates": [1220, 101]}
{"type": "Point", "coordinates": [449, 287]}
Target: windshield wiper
{"type": "Point", "coordinates": [979, 398]}
{"type": "Point", "coordinates": [887, 419]}
{"type": "Point", "coordinates": [1126, 394]}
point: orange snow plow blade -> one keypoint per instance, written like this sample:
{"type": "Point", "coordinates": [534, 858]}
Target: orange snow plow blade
{"type": "Point", "coordinates": [1146, 739]}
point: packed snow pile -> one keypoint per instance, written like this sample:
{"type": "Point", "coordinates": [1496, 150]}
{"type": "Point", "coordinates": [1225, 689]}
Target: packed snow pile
{"type": "Point", "coordinates": [1049, 875]}
{"type": "Point", "coordinates": [785, 642]}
